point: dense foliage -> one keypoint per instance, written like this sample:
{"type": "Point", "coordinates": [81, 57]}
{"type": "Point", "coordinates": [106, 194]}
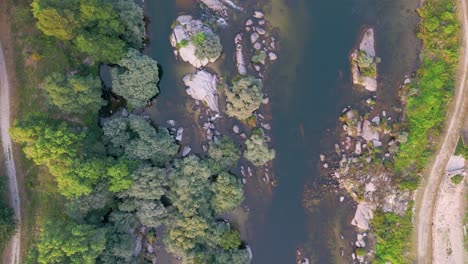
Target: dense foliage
{"type": "Point", "coordinates": [207, 45]}
{"type": "Point", "coordinates": [257, 150]}
{"type": "Point", "coordinates": [461, 149]}
{"type": "Point", "coordinates": [74, 94]}
{"type": "Point", "coordinates": [135, 78]}
{"type": "Point", "coordinates": [244, 97]}
{"type": "Point", "coordinates": [426, 110]}
{"type": "Point", "coordinates": [7, 218]}
{"type": "Point", "coordinates": [392, 233]}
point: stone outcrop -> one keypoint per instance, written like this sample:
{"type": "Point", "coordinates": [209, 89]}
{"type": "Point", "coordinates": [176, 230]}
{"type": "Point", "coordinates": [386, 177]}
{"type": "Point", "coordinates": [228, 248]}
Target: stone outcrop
{"type": "Point", "coordinates": [364, 62]}
{"type": "Point", "coordinates": [202, 86]}
{"type": "Point", "coordinates": [240, 61]}
{"type": "Point", "coordinates": [181, 40]}
{"type": "Point", "coordinates": [363, 216]}
{"type": "Point", "coordinates": [221, 6]}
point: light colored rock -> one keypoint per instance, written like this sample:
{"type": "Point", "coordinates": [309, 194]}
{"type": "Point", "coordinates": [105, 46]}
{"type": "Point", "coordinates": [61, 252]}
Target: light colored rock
{"type": "Point", "coordinates": [322, 157]}
{"type": "Point", "coordinates": [254, 37]}
{"type": "Point", "coordinates": [260, 31]}
{"type": "Point", "coordinates": [367, 42]}
{"type": "Point", "coordinates": [341, 200]}
{"type": "Point", "coordinates": [407, 81]}
{"type": "Point", "coordinates": [272, 56]}
{"type": "Point", "coordinates": [368, 132]}
{"type": "Point", "coordinates": [257, 46]}
{"type": "Point", "coordinates": [186, 151]}
{"type": "Point", "coordinates": [363, 216]}
{"type": "Point", "coordinates": [358, 149]}
{"type": "Point", "coordinates": [360, 241]}
{"type": "Point", "coordinates": [240, 61]}
{"type": "Point", "coordinates": [180, 133]}
{"type": "Point", "coordinates": [182, 32]}
{"type": "Point", "coordinates": [258, 14]}
{"type": "Point", "coordinates": [171, 122]}
{"type": "Point", "coordinates": [396, 202]}
{"type": "Point", "coordinates": [217, 6]}
{"type": "Point", "coordinates": [376, 120]}
{"type": "Point", "coordinates": [235, 128]}
{"type": "Point", "coordinates": [370, 187]}
{"type": "Point", "coordinates": [257, 67]}
{"type": "Point", "coordinates": [376, 143]}
{"type": "Point", "coordinates": [249, 22]}
{"type": "Point", "coordinates": [266, 126]}
{"type": "Point", "coordinates": [261, 22]}
{"type": "Point", "coordinates": [366, 45]}
{"type": "Point", "coordinates": [202, 86]}
{"type": "Point", "coordinates": [266, 100]}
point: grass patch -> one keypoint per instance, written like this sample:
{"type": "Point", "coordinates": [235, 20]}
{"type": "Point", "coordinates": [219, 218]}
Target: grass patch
{"type": "Point", "coordinates": [426, 109]}
{"type": "Point", "coordinates": [393, 234]}
{"type": "Point", "coordinates": [457, 179]}
{"type": "Point", "coordinates": [461, 149]}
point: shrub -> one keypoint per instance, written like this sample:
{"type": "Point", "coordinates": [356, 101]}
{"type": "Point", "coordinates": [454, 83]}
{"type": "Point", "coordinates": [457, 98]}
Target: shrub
{"type": "Point", "coordinates": [208, 45]}
{"type": "Point", "coordinates": [257, 150]}
{"type": "Point", "coordinates": [244, 97]}
{"type": "Point", "coordinates": [457, 179]}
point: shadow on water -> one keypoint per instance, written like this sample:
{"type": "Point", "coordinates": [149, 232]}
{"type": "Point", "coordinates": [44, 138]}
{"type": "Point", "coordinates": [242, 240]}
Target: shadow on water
{"type": "Point", "coordinates": [308, 86]}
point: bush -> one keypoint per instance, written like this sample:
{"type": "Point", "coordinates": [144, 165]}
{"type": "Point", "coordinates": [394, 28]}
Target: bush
{"type": "Point", "coordinates": [257, 150]}
{"type": "Point", "coordinates": [244, 97]}
{"type": "Point", "coordinates": [457, 179]}
{"type": "Point", "coordinates": [208, 45]}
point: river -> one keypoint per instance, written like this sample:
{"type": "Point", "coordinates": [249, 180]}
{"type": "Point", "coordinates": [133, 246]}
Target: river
{"type": "Point", "coordinates": [308, 86]}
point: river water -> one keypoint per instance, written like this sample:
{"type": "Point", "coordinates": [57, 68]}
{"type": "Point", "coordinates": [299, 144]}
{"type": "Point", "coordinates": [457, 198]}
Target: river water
{"type": "Point", "coordinates": [308, 87]}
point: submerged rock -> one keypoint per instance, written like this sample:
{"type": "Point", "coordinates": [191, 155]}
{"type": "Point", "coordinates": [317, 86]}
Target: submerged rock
{"type": "Point", "coordinates": [364, 62]}
{"type": "Point", "coordinates": [202, 86]}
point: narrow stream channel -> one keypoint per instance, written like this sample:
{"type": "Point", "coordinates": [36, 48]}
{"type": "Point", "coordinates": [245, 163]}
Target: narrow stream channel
{"type": "Point", "coordinates": [309, 86]}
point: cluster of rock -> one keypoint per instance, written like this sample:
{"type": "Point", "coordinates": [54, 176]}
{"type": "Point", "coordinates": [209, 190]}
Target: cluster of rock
{"type": "Point", "coordinates": [366, 141]}
{"type": "Point", "coordinates": [262, 45]}
{"type": "Point", "coordinates": [221, 6]}
{"type": "Point", "coordinates": [181, 40]}
{"type": "Point", "coordinates": [144, 242]}
{"type": "Point", "coordinates": [364, 62]}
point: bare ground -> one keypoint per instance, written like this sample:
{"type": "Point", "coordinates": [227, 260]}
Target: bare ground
{"type": "Point", "coordinates": [430, 186]}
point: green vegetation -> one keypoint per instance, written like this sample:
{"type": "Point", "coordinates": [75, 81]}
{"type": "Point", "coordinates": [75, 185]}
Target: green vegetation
{"type": "Point", "coordinates": [135, 78]}
{"type": "Point", "coordinates": [461, 149]}
{"type": "Point", "coordinates": [257, 150]}
{"type": "Point", "coordinates": [457, 179]}
{"type": "Point", "coordinates": [440, 33]}
{"type": "Point", "coordinates": [367, 64]}
{"type": "Point", "coordinates": [74, 94]}
{"type": "Point", "coordinates": [207, 44]}
{"type": "Point", "coordinates": [393, 234]}
{"type": "Point", "coordinates": [7, 217]}
{"type": "Point", "coordinates": [259, 57]}
{"type": "Point", "coordinates": [244, 97]}
{"type": "Point", "coordinates": [102, 183]}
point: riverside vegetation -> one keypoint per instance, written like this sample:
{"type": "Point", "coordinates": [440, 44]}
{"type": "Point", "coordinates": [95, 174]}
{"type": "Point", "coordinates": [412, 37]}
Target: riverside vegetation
{"type": "Point", "coordinates": [426, 104]}
{"type": "Point", "coordinates": [117, 179]}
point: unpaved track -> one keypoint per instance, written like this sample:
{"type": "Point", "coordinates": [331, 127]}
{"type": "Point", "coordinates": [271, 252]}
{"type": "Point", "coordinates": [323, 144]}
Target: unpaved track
{"type": "Point", "coordinates": [8, 154]}
{"type": "Point", "coordinates": [430, 187]}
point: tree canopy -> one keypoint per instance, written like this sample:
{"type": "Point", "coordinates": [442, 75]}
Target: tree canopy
{"type": "Point", "coordinates": [135, 78]}
{"type": "Point", "coordinates": [74, 94]}
{"type": "Point", "coordinates": [257, 150]}
{"type": "Point", "coordinates": [244, 97]}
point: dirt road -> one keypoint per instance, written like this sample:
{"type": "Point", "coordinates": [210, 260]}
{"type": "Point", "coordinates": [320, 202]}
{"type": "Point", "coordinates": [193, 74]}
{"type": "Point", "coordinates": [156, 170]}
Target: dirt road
{"type": "Point", "coordinates": [430, 186]}
{"type": "Point", "coordinates": [8, 154]}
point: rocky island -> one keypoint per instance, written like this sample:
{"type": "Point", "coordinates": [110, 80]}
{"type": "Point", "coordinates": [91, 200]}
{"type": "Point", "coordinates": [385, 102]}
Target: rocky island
{"type": "Point", "coordinates": [364, 62]}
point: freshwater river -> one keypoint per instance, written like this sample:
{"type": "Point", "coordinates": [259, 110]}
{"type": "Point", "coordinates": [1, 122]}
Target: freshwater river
{"type": "Point", "coordinates": [308, 87]}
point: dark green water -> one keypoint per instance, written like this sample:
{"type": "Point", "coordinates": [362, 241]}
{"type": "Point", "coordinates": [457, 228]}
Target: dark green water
{"type": "Point", "coordinates": [308, 86]}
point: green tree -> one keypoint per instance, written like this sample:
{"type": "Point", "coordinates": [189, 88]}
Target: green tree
{"type": "Point", "coordinates": [135, 78]}
{"type": "Point", "coordinates": [148, 182]}
{"type": "Point", "coordinates": [257, 150]}
{"type": "Point", "coordinates": [74, 94]}
{"type": "Point", "coordinates": [207, 45]}
{"type": "Point", "coordinates": [228, 193]}
{"type": "Point", "coordinates": [244, 97]}
{"type": "Point", "coordinates": [131, 17]}
{"type": "Point", "coordinates": [223, 154]}
{"type": "Point", "coordinates": [138, 140]}
{"type": "Point", "coordinates": [60, 25]}
{"type": "Point", "coordinates": [63, 241]}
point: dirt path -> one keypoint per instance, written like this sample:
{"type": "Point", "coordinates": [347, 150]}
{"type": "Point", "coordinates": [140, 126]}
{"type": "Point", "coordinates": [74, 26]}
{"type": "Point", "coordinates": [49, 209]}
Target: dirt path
{"type": "Point", "coordinates": [8, 154]}
{"type": "Point", "coordinates": [448, 227]}
{"type": "Point", "coordinates": [430, 186]}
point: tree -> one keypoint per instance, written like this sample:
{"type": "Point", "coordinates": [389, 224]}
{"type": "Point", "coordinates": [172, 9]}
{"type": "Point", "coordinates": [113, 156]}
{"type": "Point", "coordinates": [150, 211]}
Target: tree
{"type": "Point", "coordinates": [244, 97]}
{"type": "Point", "coordinates": [150, 212]}
{"type": "Point", "coordinates": [207, 45]}
{"type": "Point", "coordinates": [74, 94]}
{"type": "Point", "coordinates": [60, 25]}
{"type": "Point", "coordinates": [78, 208]}
{"type": "Point", "coordinates": [63, 241]}
{"type": "Point", "coordinates": [131, 17]}
{"type": "Point", "coordinates": [228, 193]}
{"type": "Point", "coordinates": [119, 174]}
{"type": "Point", "coordinates": [135, 78]}
{"type": "Point", "coordinates": [186, 233]}
{"type": "Point", "coordinates": [148, 182]}
{"type": "Point", "coordinates": [7, 225]}
{"type": "Point", "coordinates": [257, 150]}
{"type": "Point", "coordinates": [223, 154]}
{"type": "Point", "coordinates": [101, 31]}
{"type": "Point", "coordinates": [233, 256]}
{"type": "Point", "coordinates": [190, 187]}
{"type": "Point", "coordinates": [135, 138]}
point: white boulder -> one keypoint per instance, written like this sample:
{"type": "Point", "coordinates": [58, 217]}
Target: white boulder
{"type": "Point", "coordinates": [202, 86]}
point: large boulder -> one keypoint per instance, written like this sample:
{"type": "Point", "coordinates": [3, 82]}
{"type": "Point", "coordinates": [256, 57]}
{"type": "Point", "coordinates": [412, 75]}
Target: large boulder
{"type": "Point", "coordinates": [368, 131]}
{"type": "Point", "coordinates": [182, 41]}
{"type": "Point", "coordinates": [363, 216]}
{"type": "Point", "coordinates": [202, 86]}
{"type": "Point", "coordinates": [364, 62]}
